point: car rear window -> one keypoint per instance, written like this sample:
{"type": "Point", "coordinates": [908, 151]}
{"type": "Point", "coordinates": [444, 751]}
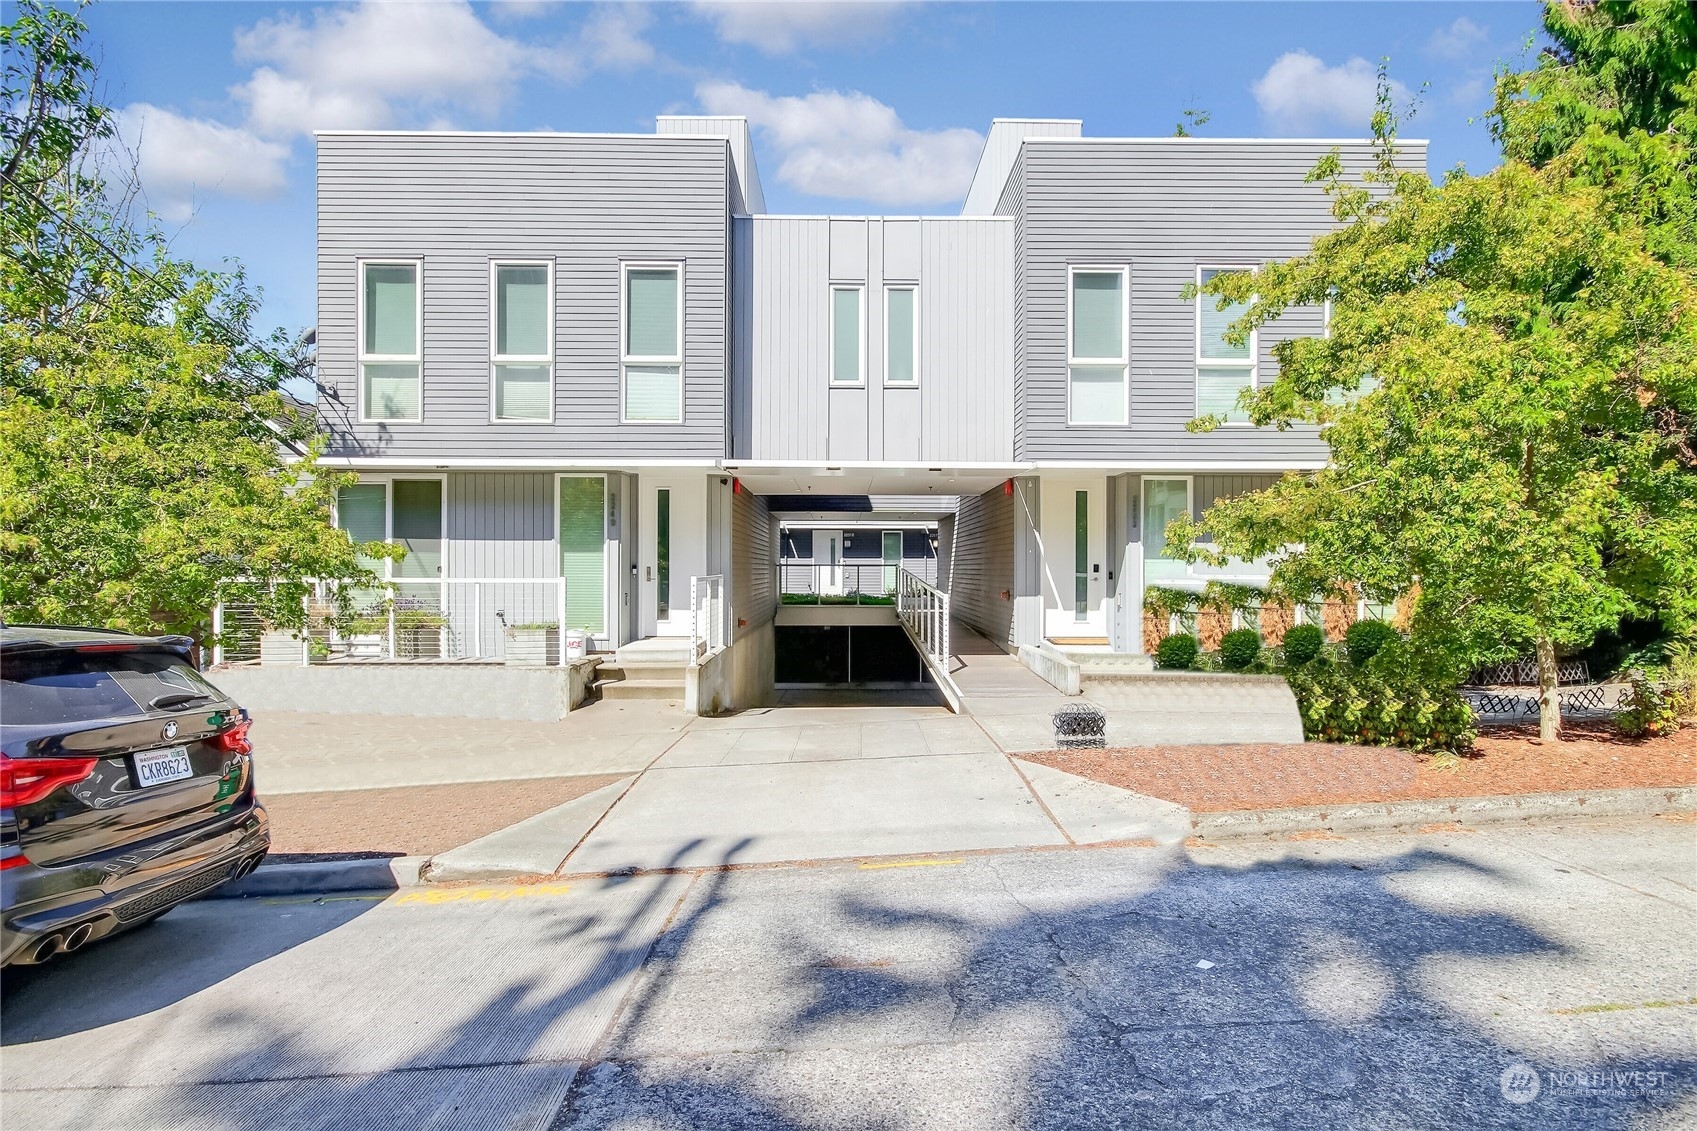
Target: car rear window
{"type": "Point", "coordinates": [42, 687]}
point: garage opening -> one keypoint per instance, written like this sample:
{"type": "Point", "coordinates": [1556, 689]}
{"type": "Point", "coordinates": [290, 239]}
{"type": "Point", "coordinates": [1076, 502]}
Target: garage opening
{"type": "Point", "coordinates": [867, 656]}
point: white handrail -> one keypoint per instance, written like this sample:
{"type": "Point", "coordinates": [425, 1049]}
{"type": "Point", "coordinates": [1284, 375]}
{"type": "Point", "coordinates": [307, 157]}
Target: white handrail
{"type": "Point", "coordinates": [707, 614]}
{"type": "Point", "coordinates": [924, 612]}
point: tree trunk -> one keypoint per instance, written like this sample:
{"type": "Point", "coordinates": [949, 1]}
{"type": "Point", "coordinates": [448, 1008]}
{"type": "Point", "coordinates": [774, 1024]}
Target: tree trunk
{"type": "Point", "coordinates": [1549, 706]}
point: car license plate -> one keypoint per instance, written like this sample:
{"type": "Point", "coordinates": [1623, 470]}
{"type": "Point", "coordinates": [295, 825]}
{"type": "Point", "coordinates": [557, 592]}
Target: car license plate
{"type": "Point", "coordinates": [156, 767]}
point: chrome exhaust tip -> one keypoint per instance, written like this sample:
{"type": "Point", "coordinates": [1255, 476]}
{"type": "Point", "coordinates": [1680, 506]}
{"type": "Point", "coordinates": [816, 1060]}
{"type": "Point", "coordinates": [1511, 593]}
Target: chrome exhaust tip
{"type": "Point", "coordinates": [77, 937]}
{"type": "Point", "coordinates": [47, 948]}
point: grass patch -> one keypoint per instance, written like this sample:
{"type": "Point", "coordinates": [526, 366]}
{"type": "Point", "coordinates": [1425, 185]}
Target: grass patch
{"type": "Point", "coordinates": [836, 599]}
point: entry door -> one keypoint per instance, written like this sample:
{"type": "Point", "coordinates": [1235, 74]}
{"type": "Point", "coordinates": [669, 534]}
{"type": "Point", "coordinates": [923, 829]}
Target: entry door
{"type": "Point", "coordinates": [828, 561]}
{"type": "Point", "coordinates": [583, 551]}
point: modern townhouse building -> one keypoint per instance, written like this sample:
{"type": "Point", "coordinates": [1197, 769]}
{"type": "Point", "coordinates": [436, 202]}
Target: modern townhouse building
{"type": "Point", "coordinates": [589, 382]}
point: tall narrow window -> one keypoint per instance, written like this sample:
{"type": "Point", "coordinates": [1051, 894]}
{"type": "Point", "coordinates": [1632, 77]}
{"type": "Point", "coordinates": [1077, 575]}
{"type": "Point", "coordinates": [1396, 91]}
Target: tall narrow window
{"type": "Point", "coordinates": [1081, 555]}
{"type": "Point", "coordinates": [848, 366]}
{"type": "Point", "coordinates": [1223, 370]}
{"type": "Point", "coordinates": [663, 553]}
{"type": "Point", "coordinates": [522, 345]}
{"type": "Point", "coordinates": [901, 336]}
{"type": "Point", "coordinates": [653, 343]}
{"type": "Point", "coordinates": [1096, 346]}
{"type": "Point", "coordinates": [362, 509]}
{"type": "Point", "coordinates": [390, 361]}
{"type": "Point", "coordinates": [1163, 501]}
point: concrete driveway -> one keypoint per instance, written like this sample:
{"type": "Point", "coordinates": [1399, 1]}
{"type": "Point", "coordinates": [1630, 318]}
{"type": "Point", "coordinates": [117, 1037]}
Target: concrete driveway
{"type": "Point", "coordinates": [803, 783]}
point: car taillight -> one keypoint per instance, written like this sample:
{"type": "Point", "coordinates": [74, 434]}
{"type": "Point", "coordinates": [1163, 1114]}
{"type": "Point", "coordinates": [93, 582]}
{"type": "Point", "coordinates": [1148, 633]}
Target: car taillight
{"type": "Point", "coordinates": [27, 780]}
{"type": "Point", "coordinates": [235, 740]}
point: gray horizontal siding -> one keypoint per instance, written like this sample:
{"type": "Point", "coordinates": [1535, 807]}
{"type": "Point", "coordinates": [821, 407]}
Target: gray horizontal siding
{"type": "Point", "coordinates": [785, 405]}
{"type": "Point", "coordinates": [981, 564]}
{"type": "Point", "coordinates": [458, 201]}
{"type": "Point", "coordinates": [753, 556]}
{"type": "Point", "coordinates": [1162, 207]}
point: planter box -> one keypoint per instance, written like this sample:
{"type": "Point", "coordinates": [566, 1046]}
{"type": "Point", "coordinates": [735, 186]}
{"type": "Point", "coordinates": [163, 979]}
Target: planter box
{"type": "Point", "coordinates": [280, 648]}
{"type": "Point", "coordinates": [533, 647]}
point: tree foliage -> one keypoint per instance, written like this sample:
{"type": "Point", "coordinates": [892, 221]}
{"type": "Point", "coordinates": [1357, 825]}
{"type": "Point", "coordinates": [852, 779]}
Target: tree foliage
{"type": "Point", "coordinates": [145, 444]}
{"type": "Point", "coordinates": [1509, 384]}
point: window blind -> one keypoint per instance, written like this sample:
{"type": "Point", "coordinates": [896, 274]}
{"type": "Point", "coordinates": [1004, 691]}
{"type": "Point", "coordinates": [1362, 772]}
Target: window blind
{"type": "Point", "coordinates": [651, 313]}
{"type": "Point", "coordinates": [1098, 310]}
{"type": "Point", "coordinates": [391, 309]}
{"type": "Point", "coordinates": [521, 311]}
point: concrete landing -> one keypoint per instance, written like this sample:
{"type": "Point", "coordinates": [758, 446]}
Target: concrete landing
{"type": "Point", "coordinates": [533, 846]}
{"type": "Point", "coordinates": [1093, 813]}
{"type": "Point", "coordinates": [701, 816]}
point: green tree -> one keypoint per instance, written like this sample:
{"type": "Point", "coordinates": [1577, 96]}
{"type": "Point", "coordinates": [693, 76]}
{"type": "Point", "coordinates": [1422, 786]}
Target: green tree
{"type": "Point", "coordinates": [149, 463]}
{"type": "Point", "coordinates": [1510, 379]}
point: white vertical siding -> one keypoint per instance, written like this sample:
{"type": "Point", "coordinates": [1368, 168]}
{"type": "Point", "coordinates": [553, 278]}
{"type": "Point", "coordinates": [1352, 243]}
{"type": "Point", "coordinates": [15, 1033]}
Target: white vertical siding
{"type": "Point", "coordinates": [962, 410]}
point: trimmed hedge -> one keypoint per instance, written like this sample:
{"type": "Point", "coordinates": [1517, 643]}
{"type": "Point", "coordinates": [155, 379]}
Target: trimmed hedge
{"type": "Point", "coordinates": [1366, 638]}
{"type": "Point", "coordinates": [1377, 706]}
{"type": "Point", "coordinates": [1177, 653]}
{"type": "Point", "coordinates": [1240, 649]}
{"type": "Point", "coordinates": [1303, 643]}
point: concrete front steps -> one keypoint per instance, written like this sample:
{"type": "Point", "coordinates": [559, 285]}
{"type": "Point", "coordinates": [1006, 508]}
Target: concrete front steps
{"type": "Point", "coordinates": [646, 669]}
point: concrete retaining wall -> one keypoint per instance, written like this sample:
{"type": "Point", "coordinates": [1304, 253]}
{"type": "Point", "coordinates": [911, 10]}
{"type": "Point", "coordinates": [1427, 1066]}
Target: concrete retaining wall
{"type": "Point", "coordinates": [470, 691]}
{"type": "Point", "coordinates": [1053, 667]}
{"type": "Point", "coordinates": [734, 678]}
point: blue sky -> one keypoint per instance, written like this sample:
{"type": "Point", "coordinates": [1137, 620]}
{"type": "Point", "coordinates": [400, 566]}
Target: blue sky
{"type": "Point", "coordinates": [857, 107]}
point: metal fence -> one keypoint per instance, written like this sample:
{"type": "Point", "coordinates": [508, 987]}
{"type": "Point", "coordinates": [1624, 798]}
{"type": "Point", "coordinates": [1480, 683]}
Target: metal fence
{"type": "Point", "coordinates": [924, 611]}
{"type": "Point", "coordinates": [472, 618]}
{"type": "Point", "coordinates": [707, 613]}
{"type": "Point", "coordinates": [846, 583]}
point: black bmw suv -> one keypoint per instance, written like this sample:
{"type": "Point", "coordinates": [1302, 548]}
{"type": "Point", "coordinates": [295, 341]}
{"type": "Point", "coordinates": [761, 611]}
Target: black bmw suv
{"type": "Point", "coordinates": [126, 786]}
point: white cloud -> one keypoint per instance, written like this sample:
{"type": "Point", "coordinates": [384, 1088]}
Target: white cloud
{"type": "Point", "coordinates": [779, 28]}
{"type": "Point", "coordinates": [612, 37]}
{"type": "Point", "coordinates": [178, 159]}
{"type": "Point", "coordinates": [348, 67]}
{"type": "Point", "coordinates": [1458, 40]}
{"type": "Point", "coordinates": [1299, 92]}
{"type": "Point", "coordinates": [852, 146]}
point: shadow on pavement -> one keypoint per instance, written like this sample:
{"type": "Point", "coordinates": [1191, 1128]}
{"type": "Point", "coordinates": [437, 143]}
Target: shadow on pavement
{"type": "Point", "coordinates": [195, 946]}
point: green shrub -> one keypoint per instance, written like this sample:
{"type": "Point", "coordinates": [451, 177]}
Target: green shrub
{"type": "Point", "coordinates": [1648, 711]}
{"type": "Point", "coordinates": [1302, 644]}
{"type": "Point", "coordinates": [1177, 653]}
{"type": "Point", "coordinates": [1240, 649]}
{"type": "Point", "coordinates": [1376, 706]}
{"type": "Point", "coordinates": [1365, 638]}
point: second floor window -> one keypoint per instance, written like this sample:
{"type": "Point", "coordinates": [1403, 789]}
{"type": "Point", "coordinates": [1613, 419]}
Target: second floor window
{"type": "Point", "coordinates": [901, 336]}
{"type": "Point", "coordinates": [1096, 345]}
{"type": "Point", "coordinates": [653, 343]}
{"type": "Point", "coordinates": [390, 357]}
{"type": "Point", "coordinates": [521, 348]}
{"type": "Point", "coordinates": [1222, 370]}
{"type": "Point", "coordinates": [848, 329]}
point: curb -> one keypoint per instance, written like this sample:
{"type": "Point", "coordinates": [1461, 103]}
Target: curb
{"type": "Point", "coordinates": [1468, 812]}
{"type": "Point", "coordinates": [378, 874]}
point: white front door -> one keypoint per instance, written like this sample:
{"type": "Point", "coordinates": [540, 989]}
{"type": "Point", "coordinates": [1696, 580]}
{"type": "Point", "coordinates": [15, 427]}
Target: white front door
{"type": "Point", "coordinates": [828, 561]}
{"type": "Point", "coordinates": [1074, 520]}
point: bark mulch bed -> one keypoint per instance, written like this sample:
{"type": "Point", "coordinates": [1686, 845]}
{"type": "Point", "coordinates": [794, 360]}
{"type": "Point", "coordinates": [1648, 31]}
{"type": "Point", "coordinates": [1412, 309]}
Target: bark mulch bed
{"type": "Point", "coordinates": [419, 820]}
{"type": "Point", "coordinates": [1506, 760]}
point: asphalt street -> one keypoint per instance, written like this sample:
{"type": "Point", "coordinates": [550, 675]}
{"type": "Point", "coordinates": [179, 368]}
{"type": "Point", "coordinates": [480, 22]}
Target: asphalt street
{"type": "Point", "coordinates": [1537, 978]}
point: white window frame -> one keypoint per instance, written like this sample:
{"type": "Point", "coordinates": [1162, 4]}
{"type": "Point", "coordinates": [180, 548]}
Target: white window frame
{"type": "Point", "coordinates": [629, 359]}
{"type": "Point", "coordinates": [1123, 361]}
{"type": "Point", "coordinates": [611, 596]}
{"type": "Point", "coordinates": [361, 357]}
{"type": "Point", "coordinates": [1143, 524]}
{"type": "Point", "coordinates": [1251, 365]}
{"type": "Point", "coordinates": [889, 384]}
{"type": "Point", "coordinates": [860, 348]}
{"type": "Point", "coordinates": [387, 481]}
{"type": "Point", "coordinates": [498, 359]}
